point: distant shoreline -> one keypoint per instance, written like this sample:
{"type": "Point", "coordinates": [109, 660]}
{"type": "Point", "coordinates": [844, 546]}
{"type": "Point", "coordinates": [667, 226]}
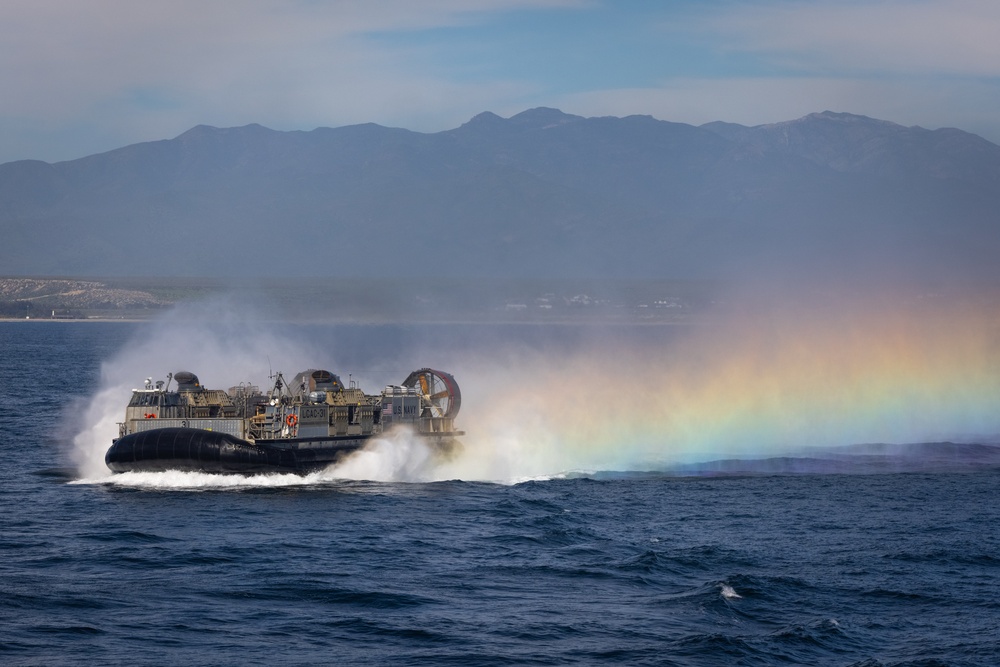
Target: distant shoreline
{"type": "Point", "coordinates": [361, 301]}
{"type": "Point", "coordinates": [69, 319]}
{"type": "Point", "coordinates": [399, 322]}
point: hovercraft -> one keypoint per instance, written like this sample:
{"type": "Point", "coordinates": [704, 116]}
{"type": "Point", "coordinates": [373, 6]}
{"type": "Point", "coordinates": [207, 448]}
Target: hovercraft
{"type": "Point", "coordinates": [296, 427]}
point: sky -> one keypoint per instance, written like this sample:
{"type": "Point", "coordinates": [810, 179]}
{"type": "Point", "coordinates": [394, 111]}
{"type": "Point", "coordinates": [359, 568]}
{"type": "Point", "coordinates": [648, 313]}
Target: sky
{"type": "Point", "coordinates": [81, 77]}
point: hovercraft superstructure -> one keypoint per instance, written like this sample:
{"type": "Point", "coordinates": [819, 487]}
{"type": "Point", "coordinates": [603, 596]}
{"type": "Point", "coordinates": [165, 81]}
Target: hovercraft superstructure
{"type": "Point", "coordinates": [301, 426]}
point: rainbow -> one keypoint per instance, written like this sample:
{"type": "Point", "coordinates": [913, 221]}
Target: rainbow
{"type": "Point", "coordinates": [747, 385]}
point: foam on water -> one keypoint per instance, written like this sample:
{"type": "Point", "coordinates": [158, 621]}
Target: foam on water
{"type": "Point", "coordinates": [730, 593]}
{"type": "Point", "coordinates": [175, 479]}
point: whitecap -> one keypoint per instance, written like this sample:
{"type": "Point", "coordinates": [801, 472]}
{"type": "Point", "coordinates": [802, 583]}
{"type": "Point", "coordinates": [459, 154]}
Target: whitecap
{"type": "Point", "coordinates": [730, 593]}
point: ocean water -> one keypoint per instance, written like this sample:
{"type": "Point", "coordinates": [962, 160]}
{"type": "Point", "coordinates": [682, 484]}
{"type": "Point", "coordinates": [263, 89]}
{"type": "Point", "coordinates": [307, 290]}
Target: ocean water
{"type": "Point", "coordinates": [538, 558]}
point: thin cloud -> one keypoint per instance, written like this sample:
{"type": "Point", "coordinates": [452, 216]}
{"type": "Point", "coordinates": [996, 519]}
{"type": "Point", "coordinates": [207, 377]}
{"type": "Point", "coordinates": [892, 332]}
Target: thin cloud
{"type": "Point", "coordinates": [957, 37]}
{"type": "Point", "coordinates": [167, 66]}
{"type": "Point", "coordinates": [81, 77]}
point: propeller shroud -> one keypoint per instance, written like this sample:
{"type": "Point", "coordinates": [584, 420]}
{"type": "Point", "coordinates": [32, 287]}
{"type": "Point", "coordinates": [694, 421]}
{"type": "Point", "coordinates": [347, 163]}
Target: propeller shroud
{"type": "Point", "coordinates": [438, 389]}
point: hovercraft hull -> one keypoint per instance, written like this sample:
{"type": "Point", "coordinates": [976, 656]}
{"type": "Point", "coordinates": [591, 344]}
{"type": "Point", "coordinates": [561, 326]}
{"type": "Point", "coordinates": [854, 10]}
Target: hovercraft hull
{"type": "Point", "coordinates": [191, 449]}
{"type": "Point", "coordinates": [301, 426]}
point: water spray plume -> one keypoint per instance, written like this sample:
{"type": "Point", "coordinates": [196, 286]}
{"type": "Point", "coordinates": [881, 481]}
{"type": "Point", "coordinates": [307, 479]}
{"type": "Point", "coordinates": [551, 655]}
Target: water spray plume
{"type": "Point", "coordinates": [745, 384]}
{"type": "Point", "coordinates": [226, 344]}
{"type": "Point", "coordinates": [397, 456]}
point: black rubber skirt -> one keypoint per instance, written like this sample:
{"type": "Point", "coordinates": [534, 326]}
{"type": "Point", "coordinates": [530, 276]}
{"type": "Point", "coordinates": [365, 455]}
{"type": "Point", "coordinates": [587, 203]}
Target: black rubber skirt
{"type": "Point", "coordinates": [191, 449]}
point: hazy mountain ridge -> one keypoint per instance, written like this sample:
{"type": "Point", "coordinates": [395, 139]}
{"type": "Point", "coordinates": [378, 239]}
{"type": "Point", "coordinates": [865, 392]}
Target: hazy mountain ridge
{"type": "Point", "coordinates": [542, 193]}
{"type": "Point", "coordinates": [858, 144]}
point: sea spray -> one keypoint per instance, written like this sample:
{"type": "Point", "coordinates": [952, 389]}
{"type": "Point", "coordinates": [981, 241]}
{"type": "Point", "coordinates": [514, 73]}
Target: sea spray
{"type": "Point", "coordinates": [226, 344]}
{"type": "Point", "coordinates": [99, 425]}
{"type": "Point", "coordinates": [397, 456]}
{"type": "Point", "coordinates": [744, 385]}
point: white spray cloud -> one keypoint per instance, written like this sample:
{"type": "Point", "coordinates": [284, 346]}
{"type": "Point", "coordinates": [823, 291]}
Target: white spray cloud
{"type": "Point", "coordinates": [746, 385]}
{"type": "Point", "coordinates": [397, 456]}
{"type": "Point", "coordinates": [224, 344]}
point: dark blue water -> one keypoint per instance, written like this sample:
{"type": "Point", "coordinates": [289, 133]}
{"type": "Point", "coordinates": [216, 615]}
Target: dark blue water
{"type": "Point", "coordinates": [877, 569]}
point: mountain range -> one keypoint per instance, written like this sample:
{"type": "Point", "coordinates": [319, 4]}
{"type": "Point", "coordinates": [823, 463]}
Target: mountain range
{"type": "Point", "coordinates": [540, 194]}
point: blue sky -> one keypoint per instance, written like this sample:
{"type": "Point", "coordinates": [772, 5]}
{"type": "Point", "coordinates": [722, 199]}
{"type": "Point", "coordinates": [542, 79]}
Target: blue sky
{"type": "Point", "coordinates": [84, 77]}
